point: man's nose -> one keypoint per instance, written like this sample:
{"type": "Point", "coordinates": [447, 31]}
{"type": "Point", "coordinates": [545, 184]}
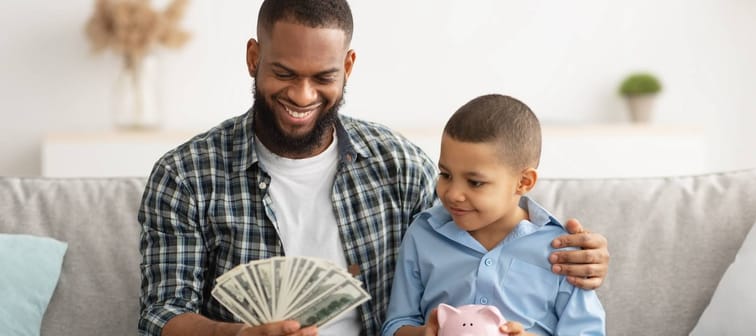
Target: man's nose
{"type": "Point", "coordinates": [303, 93]}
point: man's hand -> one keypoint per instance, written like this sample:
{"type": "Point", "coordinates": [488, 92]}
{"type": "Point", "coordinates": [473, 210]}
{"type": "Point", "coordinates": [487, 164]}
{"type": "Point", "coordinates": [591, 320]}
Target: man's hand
{"type": "Point", "coordinates": [585, 268]}
{"type": "Point", "coordinates": [191, 324]}
{"type": "Point", "coordinates": [283, 328]}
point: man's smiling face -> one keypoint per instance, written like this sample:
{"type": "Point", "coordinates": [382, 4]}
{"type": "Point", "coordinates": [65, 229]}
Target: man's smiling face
{"type": "Point", "coordinates": [300, 73]}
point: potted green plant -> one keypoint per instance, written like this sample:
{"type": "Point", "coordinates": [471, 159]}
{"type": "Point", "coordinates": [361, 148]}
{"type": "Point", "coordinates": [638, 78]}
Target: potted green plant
{"type": "Point", "coordinates": [640, 90]}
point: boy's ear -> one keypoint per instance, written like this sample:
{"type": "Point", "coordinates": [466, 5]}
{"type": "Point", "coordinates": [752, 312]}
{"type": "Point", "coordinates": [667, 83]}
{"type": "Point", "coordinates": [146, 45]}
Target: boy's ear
{"type": "Point", "coordinates": [528, 178]}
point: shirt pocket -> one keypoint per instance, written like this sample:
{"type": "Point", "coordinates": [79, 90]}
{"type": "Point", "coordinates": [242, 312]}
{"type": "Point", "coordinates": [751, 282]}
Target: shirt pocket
{"type": "Point", "coordinates": [530, 289]}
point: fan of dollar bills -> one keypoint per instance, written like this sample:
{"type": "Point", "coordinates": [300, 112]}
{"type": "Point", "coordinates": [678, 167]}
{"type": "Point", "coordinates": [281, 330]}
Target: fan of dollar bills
{"type": "Point", "coordinates": [309, 290]}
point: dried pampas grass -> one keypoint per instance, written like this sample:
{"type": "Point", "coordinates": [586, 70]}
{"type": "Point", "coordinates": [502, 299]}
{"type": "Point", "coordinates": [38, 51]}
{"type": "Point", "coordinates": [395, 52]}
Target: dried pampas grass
{"type": "Point", "coordinates": [133, 28]}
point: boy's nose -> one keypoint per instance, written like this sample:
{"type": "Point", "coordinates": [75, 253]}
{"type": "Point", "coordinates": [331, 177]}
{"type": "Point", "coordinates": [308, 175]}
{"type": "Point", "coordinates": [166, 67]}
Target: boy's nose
{"type": "Point", "coordinates": [454, 194]}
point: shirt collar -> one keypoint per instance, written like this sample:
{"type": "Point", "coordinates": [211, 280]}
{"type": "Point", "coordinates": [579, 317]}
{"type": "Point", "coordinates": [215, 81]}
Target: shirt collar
{"type": "Point", "coordinates": [538, 218]}
{"type": "Point", "coordinates": [243, 142]}
{"type": "Point", "coordinates": [441, 221]}
{"type": "Point", "coordinates": [538, 215]}
{"type": "Point", "coordinates": [244, 148]}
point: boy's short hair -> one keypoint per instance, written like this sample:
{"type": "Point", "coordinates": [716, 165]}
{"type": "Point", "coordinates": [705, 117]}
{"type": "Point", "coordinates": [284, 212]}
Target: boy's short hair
{"type": "Point", "coordinates": [503, 120]}
{"type": "Point", "coordinates": [311, 13]}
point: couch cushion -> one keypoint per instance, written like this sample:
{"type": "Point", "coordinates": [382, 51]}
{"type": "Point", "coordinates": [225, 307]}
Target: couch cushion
{"type": "Point", "coordinates": [98, 289]}
{"type": "Point", "coordinates": [733, 305]}
{"type": "Point", "coordinates": [671, 239]}
{"type": "Point", "coordinates": [30, 269]}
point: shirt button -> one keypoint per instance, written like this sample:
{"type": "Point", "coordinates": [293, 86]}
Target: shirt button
{"type": "Point", "coordinates": [262, 185]}
{"type": "Point", "coordinates": [488, 262]}
{"type": "Point", "coordinates": [483, 300]}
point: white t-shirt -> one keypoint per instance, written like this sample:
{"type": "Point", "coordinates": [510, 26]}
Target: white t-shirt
{"type": "Point", "coordinates": [300, 190]}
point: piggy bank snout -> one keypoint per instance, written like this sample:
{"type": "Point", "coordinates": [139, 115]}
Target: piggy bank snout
{"type": "Point", "coordinates": [470, 329]}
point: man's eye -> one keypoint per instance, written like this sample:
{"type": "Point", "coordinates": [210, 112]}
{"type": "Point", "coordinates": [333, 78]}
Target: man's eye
{"type": "Point", "coordinates": [283, 75]}
{"type": "Point", "coordinates": [326, 80]}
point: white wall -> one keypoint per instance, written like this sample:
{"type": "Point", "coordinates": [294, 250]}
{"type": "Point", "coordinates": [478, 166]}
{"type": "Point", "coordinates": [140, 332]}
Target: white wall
{"type": "Point", "coordinates": [417, 61]}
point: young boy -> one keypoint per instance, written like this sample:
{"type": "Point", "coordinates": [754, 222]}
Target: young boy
{"type": "Point", "coordinates": [488, 243]}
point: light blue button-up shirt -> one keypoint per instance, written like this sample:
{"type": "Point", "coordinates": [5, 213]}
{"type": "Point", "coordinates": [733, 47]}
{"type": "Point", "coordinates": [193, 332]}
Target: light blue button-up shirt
{"type": "Point", "coordinates": [441, 263]}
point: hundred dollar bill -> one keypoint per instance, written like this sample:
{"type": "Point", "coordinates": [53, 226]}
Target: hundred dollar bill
{"type": "Point", "coordinates": [248, 290]}
{"type": "Point", "coordinates": [278, 269]}
{"type": "Point", "coordinates": [344, 297]}
{"type": "Point", "coordinates": [318, 285]}
{"type": "Point", "coordinates": [261, 275]}
{"type": "Point", "coordinates": [231, 297]}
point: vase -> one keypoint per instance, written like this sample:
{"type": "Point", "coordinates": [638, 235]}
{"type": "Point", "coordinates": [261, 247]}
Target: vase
{"type": "Point", "coordinates": [641, 107]}
{"type": "Point", "coordinates": [135, 96]}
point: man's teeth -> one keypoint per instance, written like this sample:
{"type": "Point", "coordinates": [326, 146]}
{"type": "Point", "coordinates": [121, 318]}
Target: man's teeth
{"type": "Point", "coordinates": [296, 114]}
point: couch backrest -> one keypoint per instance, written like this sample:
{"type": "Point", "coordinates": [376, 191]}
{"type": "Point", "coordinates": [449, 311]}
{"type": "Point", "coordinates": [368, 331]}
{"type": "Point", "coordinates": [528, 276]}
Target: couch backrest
{"type": "Point", "coordinates": [671, 239]}
{"type": "Point", "coordinates": [98, 290]}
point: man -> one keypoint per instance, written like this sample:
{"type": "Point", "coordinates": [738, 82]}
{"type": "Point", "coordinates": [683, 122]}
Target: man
{"type": "Point", "coordinates": [292, 176]}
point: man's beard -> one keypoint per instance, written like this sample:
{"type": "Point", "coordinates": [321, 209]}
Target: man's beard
{"type": "Point", "coordinates": [284, 144]}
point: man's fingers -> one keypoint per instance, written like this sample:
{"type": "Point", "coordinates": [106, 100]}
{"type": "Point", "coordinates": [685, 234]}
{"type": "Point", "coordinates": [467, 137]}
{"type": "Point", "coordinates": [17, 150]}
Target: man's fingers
{"type": "Point", "coordinates": [585, 240]}
{"type": "Point", "coordinates": [288, 328]}
{"type": "Point", "coordinates": [581, 270]}
{"type": "Point", "coordinates": [587, 267]}
{"type": "Point", "coordinates": [597, 256]}
{"type": "Point", "coordinates": [309, 331]}
{"type": "Point", "coordinates": [585, 283]}
{"type": "Point", "coordinates": [573, 226]}
{"type": "Point", "coordinates": [580, 263]}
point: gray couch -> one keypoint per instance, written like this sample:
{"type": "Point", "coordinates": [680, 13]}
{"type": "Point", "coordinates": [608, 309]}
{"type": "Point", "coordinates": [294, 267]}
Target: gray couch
{"type": "Point", "coordinates": [671, 240]}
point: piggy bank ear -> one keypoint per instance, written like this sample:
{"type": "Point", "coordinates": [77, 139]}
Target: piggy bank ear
{"type": "Point", "coordinates": [491, 313]}
{"type": "Point", "coordinates": [444, 312]}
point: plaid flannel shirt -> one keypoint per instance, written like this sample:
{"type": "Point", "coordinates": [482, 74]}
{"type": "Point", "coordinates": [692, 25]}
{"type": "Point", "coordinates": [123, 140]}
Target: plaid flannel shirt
{"type": "Point", "coordinates": [206, 209]}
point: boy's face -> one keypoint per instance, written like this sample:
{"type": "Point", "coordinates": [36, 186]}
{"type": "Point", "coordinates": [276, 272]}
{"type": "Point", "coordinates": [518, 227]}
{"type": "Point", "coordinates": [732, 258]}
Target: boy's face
{"type": "Point", "coordinates": [478, 189]}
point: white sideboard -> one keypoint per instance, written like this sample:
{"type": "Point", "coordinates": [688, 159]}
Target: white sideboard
{"type": "Point", "coordinates": [107, 153]}
{"type": "Point", "coordinates": [606, 150]}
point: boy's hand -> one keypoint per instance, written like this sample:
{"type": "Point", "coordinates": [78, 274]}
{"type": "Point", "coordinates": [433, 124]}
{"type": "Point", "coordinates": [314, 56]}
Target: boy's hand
{"type": "Point", "coordinates": [431, 326]}
{"type": "Point", "coordinates": [585, 268]}
{"type": "Point", "coordinates": [513, 328]}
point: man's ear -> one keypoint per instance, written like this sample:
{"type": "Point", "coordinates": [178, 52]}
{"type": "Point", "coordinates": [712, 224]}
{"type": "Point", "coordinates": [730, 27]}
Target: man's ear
{"type": "Point", "coordinates": [253, 56]}
{"type": "Point", "coordinates": [528, 178]}
{"type": "Point", "coordinates": [351, 56]}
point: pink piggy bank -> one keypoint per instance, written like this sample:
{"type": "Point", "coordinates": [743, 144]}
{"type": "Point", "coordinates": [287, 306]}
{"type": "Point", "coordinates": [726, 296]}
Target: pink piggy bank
{"type": "Point", "coordinates": [469, 320]}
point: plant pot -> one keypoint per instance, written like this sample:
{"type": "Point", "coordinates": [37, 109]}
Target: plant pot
{"type": "Point", "coordinates": [641, 107]}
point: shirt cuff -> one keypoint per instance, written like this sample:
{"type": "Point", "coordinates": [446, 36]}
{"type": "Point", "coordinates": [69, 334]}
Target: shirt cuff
{"type": "Point", "coordinates": [153, 319]}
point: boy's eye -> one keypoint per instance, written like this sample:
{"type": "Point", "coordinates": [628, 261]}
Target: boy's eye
{"type": "Point", "coordinates": [443, 175]}
{"type": "Point", "coordinates": [476, 184]}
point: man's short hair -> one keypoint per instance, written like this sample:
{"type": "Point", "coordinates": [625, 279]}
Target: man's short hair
{"type": "Point", "coordinates": [311, 13]}
{"type": "Point", "coordinates": [505, 122]}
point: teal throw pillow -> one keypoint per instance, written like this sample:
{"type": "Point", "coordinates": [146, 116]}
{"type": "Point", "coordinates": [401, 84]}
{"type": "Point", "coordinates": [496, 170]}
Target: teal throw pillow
{"type": "Point", "coordinates": [29, 271]}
